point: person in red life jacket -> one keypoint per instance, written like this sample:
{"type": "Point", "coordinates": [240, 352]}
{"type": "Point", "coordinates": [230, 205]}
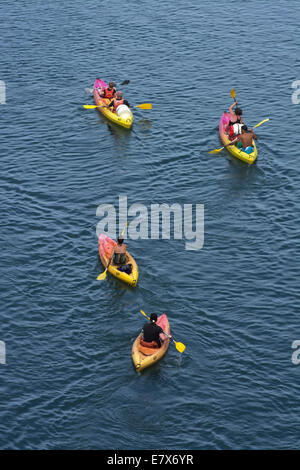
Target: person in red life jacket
{"type": "Point", "coordinates": [152, 333]}
{"type": "Point", "coordinates": [117, 101]}
{"type": "Point", "coordinates": [108, 92]}
{"type": "Point", "coordinates": [236, 121]}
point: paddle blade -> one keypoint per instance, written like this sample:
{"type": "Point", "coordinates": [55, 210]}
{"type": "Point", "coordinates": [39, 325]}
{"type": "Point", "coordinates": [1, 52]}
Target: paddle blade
{"type": "Point", "coordinates": [232, 93]}
{"type": "Point", "coordinates": [144, 106]}
{"type": "Point", "coordinates": [90, 106]}
{"type": "Point", "coordinates": [265, 120]}
{"type": "Point", "coordinates": [179, 346]}
{"type": "Point", "coordinates": [144, 314]}
{"type": "Point", "coordinates": [102, 276]}
{"type": "Point", "coordinates": [216, 150]}
{"type": "Point", "coordinates": [125, 82]}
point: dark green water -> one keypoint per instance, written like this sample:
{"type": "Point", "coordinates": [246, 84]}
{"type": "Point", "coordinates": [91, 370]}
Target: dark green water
{"type": "Point", "coordinates": [68, 381]}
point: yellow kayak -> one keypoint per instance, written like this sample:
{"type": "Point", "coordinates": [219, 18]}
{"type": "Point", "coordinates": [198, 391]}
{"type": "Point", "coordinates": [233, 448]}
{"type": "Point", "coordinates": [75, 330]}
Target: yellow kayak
{"type": "Point", "coordinates": [144, 356]}
{"type": "Point", "coordinates": [125, 119]}
{"type": "Point", "coordinates": [106, 245]}
{"type": "Point", "coordinates": [233, 149]}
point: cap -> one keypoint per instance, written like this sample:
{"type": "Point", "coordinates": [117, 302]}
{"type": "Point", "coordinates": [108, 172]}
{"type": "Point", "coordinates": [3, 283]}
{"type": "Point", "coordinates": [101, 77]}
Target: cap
{"type": "Point", "coordinates": [153, 317]}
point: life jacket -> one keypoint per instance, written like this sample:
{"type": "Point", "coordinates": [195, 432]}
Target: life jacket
{"type": "Point", "coordinates": [149, 349]}
{"type": "Point", "coordinates": [231, 131]}
{"type": "Point", "coordinates": [146, 344]}
{"type": "Point", "coordinates": [109, 92]}
{"type": "Point", "coordinates": [235, 127]}
{"type": "Point", "coordinates": [117, 103]}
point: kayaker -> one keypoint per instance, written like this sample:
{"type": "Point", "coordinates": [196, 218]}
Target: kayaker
{"type": "Point", "coordinates": [117, 101]}
{"type": "Point", "coordinates": [244, 141]}
{"type": "Point", "coordinates": [108, 92]}
{"type": "Point", "coordinates": [119, 253]}
{"type": "Point", "coordinates": [153, 333]}
{"type": "Point", "coordinates": [236, 121]}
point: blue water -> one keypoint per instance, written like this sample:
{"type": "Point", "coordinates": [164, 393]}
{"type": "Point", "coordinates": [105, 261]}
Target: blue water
{"type": "Point", "coordinates": [69, 382]}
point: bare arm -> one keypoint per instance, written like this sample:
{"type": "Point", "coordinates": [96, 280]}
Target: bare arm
{"type": "Point", "coordinates": [164, 333]}
{"type": "Point", "coordinates": [232, 142]}
{"type": "Point", "coordinates": [231, 109]}
{"type": "Point", "coordinates": [253, 135]}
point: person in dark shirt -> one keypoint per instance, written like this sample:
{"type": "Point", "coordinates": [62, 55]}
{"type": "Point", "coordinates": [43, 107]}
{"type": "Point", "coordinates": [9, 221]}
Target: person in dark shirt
{"type": "Point", "coordinates": [151, 331]}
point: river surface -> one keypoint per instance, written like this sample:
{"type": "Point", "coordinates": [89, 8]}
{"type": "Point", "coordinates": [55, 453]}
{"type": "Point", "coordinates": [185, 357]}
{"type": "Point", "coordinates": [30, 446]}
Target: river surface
{"type": "Point", "coordinates": [68, 381]}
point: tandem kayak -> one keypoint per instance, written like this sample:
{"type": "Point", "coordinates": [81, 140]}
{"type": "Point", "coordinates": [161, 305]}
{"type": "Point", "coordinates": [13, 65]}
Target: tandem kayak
{"type": "Point", "coordinates": [123, 117]}
{"type": "Point", "coordinates": [106, 245]}
{"type": "Point", "coordinates": [232, 149]}
{"type": "Point", "coordinates": [144, 357]}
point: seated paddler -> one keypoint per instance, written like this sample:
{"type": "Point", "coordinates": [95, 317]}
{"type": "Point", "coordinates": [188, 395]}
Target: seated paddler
{"type": "Point", "coordinates": [152, 334]}
{"type": "Point", "coordinates": [244, 141]}
{"type": "Point", "coordinates": [108, 92]}
{"type": "Point", "coordinates": [236, 121]}
{"type": "Point", "coordinates": [119, 252]}
{"type": "Point", "coordinates": [118, 101]}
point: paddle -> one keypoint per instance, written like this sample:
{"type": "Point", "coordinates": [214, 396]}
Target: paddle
{"type": "Point", "coordinates": [90, 90]}
{"type": "Point", "coordinates": [102, 276]}
{"type": "Point", "coordinates": [232, 93]}
{"type": "Point", "coordinates": [216, 150]}
{"type": "Point", "coordinates": [261, 122]}
{"type": "Point", "coordinates": [179, 346]}
{"type": "Point", "coordinates": [142, 106]}
{"type": "Point", "coordinates": [125, 82]}
{"type": "Point", "coordinates": [219, 150]}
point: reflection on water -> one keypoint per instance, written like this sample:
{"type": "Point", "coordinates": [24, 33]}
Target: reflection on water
{"type": "Point", "coordinates": [145, 123]}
